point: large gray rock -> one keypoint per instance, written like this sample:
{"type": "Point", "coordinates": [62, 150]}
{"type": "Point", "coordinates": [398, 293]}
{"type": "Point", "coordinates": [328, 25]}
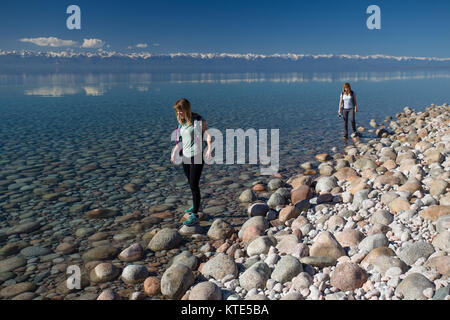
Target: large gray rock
{"type": "Point", "coordinates": [413, 285]}
{"type": "Point", "coordinates": [165, 239]}
{"type": "Point", "coordinates": [374, 241]}
{"type": "Point", "coordinates": [247, 196]}
{"type": "Point", "coordinates": [413, 251]}
{"type": "Point", "coordinates": [287, 244]}
{"type": "Point", "coordinates": [359, 197]}
{"type": "Point", "coordinates": [326, 184]}
{"type": "Point", "coordinates": [205, 291]}
{"type": "Point", "coordinates": [275, 200]}
{"type": "Point", "coordinates": [382, 216]}
{"type": "Point", "coordinates": [176, 280]}
{"type": "Point", "coordinates": [443, 223]}
{"type": "Point", "coordinates": [186, 258]}
{"type": "Point", "coordinates": [259, 245]}
{"type": "Point", "coordinates": [34, 251]}
{"type": "Point", "coordinates": [134, 273]}
{"type": "Point", "coordinates": [442, 241]}
{"type": "Point", "coordinates": [287, 268]}
{"type": "Point", "coordinates": [255, 277]}
{"type": "Point", "coordinates": [219, 266]}
{"type": "Point", "coordinates": [383, 263]}
{"type": "Point", "coordinates": [26, 227]}
{"type": "Point", "coordinates": [220, 229]}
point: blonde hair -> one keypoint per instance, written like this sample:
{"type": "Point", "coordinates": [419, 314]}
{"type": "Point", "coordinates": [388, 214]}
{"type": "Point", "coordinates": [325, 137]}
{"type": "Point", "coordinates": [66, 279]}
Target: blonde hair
{"type": "Point", "coordinates": [185, 106]}
{"type": "Point", "coordinates": [347, 85]}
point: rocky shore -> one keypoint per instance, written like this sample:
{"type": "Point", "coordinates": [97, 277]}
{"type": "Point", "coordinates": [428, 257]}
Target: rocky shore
{"type": "Point", "coordinates": [369, 222]}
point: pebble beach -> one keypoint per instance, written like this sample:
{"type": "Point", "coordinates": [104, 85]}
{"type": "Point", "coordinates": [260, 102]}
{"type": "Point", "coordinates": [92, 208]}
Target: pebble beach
{"type": "Point", "coordinates": [369, 221]}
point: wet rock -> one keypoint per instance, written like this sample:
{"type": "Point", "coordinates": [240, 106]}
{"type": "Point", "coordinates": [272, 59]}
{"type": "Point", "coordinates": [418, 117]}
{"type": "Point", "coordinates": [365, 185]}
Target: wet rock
{"type": "Point", "coordinates": [100, 253]}
{"type": "Point", "coordinates": [133, 253]}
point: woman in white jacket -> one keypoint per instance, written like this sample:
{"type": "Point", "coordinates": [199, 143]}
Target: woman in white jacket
{"type": "Point", "coordinates": [348, 100]}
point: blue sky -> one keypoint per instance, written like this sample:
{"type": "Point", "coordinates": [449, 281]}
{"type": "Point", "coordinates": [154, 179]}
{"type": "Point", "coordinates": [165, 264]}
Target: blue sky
{"type": "Point", "coordinates": [409, 28]}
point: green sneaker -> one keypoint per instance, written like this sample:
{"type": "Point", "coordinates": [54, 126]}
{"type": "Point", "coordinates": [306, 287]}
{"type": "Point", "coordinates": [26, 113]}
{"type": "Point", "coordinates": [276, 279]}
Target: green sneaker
{"type": "Point", "coordinates": [189, 210]}
{"type": "Point", "coordinates": [193, 219]}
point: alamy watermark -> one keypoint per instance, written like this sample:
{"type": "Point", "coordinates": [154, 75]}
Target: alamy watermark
{"type": "Point", "coordinates": [374, 21]}
{"type": "Point", "coordinates": [74, 20]}
{"type": "Point", "coordinates": [257, 147]}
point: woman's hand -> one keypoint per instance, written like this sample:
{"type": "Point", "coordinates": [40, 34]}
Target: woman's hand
{"type": "Point", "coordinates": [355, 109]}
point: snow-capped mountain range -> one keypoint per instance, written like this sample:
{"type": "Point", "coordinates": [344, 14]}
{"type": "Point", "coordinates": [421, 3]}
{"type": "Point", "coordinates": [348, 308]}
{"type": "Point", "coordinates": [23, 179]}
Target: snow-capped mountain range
{"type": "Point", "coordinates": [103, 59]}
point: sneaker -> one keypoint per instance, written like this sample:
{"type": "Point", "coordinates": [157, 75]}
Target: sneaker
{"type": "Point", "coordinates": [189, 210]}
{"type": "Point", "coordinates": [193, 219]}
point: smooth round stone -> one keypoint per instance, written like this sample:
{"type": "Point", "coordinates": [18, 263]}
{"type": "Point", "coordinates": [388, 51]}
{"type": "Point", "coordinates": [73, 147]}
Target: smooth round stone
{"type": "Point", "coordinates": [133, 253]}
{"type": "Point", "coordinates": [34, 251]}
{"type": "Point", "coordinates": [165, 239]}
{"type": "Point", "coordinates": [374, 241]}
{"type": "Point", "coordinates": [190, 230]}
{"type": "Point", "coordinates": [152, 286]}
{"type": "Point", "coordinates": [16, 289]}
{"type": "Point", "coordinates": [12, 263]}
{"type": "Point", "coordinates": [205, 291]}
{"type": "Point", "coordinates": [186, 258]}
{"type": "Point", "coordinates": [255, 277]}
{"type": "Point", "coordinates": [104, 272]}
{"type": "Point", "coordinates": [287, 268]}
{"type": "Point", "coordinates": [85, 232]}
{"type": "Point", "coordinates": [100, 253]}
{"type": "Point", "coordinates": [220, 229]}
{"type": "Point", "coordinates": [413, 285]}
{"type": "Point", "coordinates": [176, 280]}
{"type": "Point", "coordinates": [133, 274]}
{"type": "Point", "coordinates": [411, 253]}
{"type": "Point", "coordinates": [219, 267]}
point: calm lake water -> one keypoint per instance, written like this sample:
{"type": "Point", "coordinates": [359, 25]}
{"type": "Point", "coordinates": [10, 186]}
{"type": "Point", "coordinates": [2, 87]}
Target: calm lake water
{"type": "Point", "coordinates": [76, 119]}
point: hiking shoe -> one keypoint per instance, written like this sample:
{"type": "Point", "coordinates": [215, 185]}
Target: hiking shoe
{"type": "Point", "coordinates": [189, 210]}
{"type": "Point", "coordinates": [193, 219]}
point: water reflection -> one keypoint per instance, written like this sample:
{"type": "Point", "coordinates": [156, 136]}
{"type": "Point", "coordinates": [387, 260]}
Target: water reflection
{"type": "Point", "coordinates": [58, 85]}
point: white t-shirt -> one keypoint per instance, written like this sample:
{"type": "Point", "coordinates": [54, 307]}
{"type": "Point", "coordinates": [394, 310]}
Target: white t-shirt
{"type": "Point", "coordinates": [348, 101]}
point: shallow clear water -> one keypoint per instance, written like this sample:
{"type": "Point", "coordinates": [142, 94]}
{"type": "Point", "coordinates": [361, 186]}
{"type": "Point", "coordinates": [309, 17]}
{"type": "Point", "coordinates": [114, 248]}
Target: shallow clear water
{"type": "Point", "coordinates": [59, 123]}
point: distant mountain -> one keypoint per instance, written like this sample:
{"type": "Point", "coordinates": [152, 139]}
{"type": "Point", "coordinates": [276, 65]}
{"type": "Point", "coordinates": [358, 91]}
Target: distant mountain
{"type": "Point", "coordinates": [19, 61]}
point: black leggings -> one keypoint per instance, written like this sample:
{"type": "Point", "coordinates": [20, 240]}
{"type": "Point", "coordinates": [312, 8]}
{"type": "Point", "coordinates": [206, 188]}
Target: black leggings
{"type": "Point", "coordinates": [345, 115]}
{"type": "Point", "coordinates": [193, 172]}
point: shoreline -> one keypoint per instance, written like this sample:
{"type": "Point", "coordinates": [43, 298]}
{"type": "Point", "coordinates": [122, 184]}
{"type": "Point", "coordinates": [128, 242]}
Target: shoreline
{"type": "Point", "coordinates": [287, 240]}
